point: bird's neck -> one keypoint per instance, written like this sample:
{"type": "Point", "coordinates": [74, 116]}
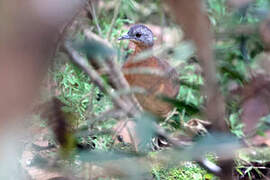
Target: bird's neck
{"type": "Point", "coordinates": [139, 48]}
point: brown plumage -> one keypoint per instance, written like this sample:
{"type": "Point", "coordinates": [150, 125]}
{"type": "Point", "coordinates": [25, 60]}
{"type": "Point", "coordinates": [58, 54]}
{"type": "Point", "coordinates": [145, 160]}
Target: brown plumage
{"type": "Point", "coordinates": [155, 85]}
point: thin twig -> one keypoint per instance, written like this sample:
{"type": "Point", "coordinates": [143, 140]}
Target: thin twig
{"type": "Point", "coordinates": [93, 12]}
{"type": "Point", "coordinates": [132, 139]}
{"type": "Point", "coordinates": [112, 113]}
{"type": "Point", "coordinates": [163, 21]}
{"type": "Point", "coordinates": [112, 68]}
{"type": "Point", "coordinates": [239, 30]}
{"type": "Point", "coordinates": [115, 14]}
{"type": "Point", "coordinates": [64, 30]}
{"type": "Point", "coordinates": [116, 72]}
{"type": "Point", "coordinates": [89, 113]}
{"type": "Point", "coordinates": [82, 63]}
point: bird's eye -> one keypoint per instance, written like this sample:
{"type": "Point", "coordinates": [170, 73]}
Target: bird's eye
{"type": "Point", "coordinates": [120, 138]}
{"type": "Point", "coordinates": [138, 35]}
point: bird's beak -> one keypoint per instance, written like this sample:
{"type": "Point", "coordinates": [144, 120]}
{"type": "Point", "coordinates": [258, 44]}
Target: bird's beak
{"type": "Point", "coordinates": [126, 36]}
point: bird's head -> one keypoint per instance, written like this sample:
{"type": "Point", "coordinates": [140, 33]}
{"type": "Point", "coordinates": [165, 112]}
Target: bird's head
{"type": "Point", "coordinates": [140, 35]}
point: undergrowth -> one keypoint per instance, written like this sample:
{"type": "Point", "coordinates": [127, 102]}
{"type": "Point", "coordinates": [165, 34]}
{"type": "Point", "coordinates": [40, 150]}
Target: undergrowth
{"type": "Point", "coordinates": [85, 100]}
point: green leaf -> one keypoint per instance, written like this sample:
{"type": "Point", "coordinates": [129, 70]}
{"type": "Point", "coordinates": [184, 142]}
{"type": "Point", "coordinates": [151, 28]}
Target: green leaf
{"type": "Point", "coordinates": [103, 156]}
{"type": "Point", "coordinates": [95, 50]}
{"type": "Point", "coordinates": [145, 129]}
{"type": "Point", "coordinates": [189, 107]}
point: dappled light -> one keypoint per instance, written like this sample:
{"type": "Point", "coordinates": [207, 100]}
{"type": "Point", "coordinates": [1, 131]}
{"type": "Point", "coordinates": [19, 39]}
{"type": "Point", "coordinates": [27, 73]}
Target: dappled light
{"type": "Point", "coordinates": [135, 89]}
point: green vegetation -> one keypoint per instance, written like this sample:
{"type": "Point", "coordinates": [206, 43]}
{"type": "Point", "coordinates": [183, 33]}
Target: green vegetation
{"type": "Point", "coordinates": [85, 101]}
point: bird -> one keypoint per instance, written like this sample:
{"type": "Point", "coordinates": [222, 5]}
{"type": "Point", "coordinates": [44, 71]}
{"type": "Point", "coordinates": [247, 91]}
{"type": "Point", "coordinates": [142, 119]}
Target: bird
{"type": "Point", "coordinates": [155, 85]}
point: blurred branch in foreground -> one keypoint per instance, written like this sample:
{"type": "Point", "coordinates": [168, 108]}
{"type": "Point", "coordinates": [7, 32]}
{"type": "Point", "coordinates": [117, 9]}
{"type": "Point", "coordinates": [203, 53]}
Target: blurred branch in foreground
{"type": "Point", "coordinates": [134, 165]}
{"type": "Point", "coordinates": [146, 126]}
{"type": "Point", "coordinates": [29, 32]}
{"type": "Point", "coordinates": [197, 27]}
{"type": "Point", "coordinates": [127, 106]}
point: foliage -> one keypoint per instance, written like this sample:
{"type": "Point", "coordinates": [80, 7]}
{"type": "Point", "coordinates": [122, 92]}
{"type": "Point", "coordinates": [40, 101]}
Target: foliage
{"type": "Point", "coordinates": [188, 170]}
{"type": "Point", "coordinates": [86, 101]}
{"type": "Point", "coordinates": [236, 125]}
{"type": "Point", "coordinates": [75, 92]}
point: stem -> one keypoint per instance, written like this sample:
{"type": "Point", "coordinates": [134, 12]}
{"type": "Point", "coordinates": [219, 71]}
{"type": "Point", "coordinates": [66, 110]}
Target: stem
{"type": "Point", "coordinates": [115, 14]}
{"type": "Point", "coordinates": [93, 12]}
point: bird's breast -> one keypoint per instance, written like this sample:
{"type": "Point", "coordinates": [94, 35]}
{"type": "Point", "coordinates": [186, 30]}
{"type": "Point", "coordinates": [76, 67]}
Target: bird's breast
{"type": "Point", "coordinates": [152, 74]}
{"type": "Point", "coordinates": [157, 80]}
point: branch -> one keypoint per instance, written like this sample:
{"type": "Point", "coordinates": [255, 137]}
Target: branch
{"type": "Point", "coordinates": [197, 27]}
{"type": "Point", "coordinates": [115, 13]}
{"type": "Point", "coordinates": [113, 69]}
{"type": "Point", "coordinates": [93, 12]}
{"type": "Point", "coordinates": [83, 64]}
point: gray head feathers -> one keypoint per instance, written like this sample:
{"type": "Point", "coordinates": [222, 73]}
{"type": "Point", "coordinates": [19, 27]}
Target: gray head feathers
{"type": "Point", "coordinates": [140, 33]}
